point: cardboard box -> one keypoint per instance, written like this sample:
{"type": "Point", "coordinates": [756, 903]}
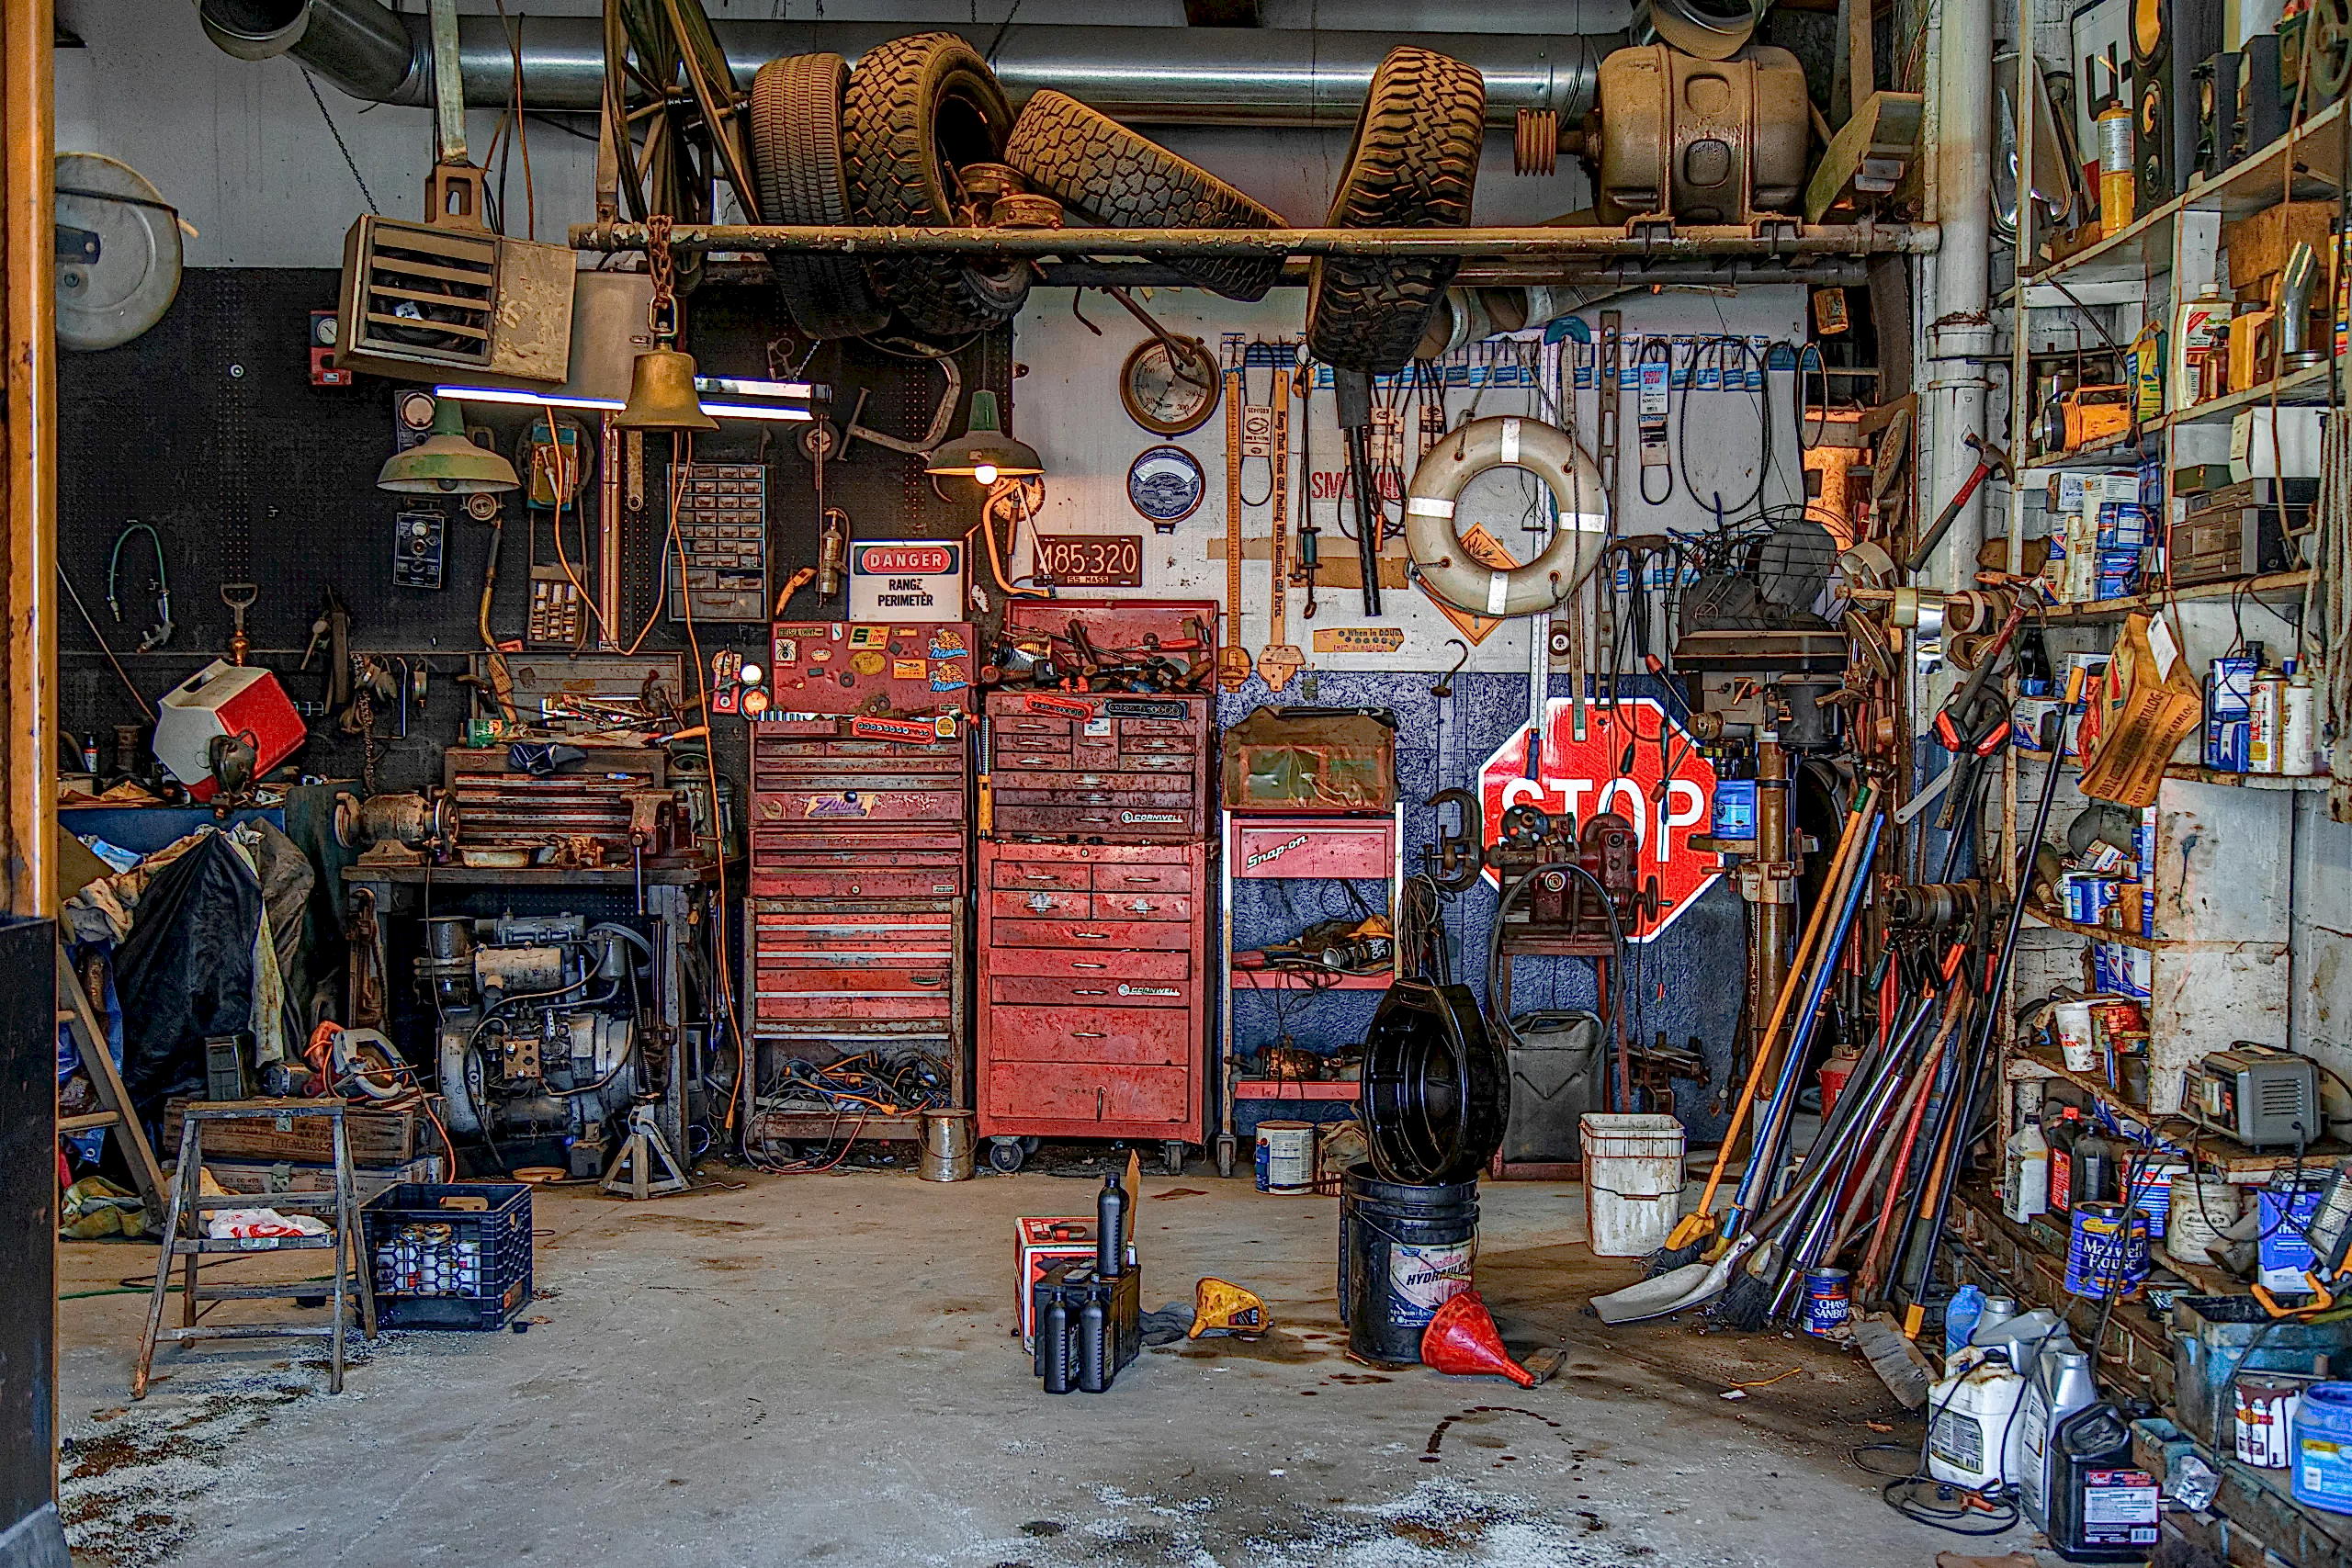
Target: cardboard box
{"type": "Point", "coordinates": [2259, 244]}
{"type": "Point", "coordinates": [1039, 1242]}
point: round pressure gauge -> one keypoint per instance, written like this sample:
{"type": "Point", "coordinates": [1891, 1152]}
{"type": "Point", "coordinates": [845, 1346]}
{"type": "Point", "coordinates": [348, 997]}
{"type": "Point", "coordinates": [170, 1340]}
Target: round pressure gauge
{"type": "Point", "coordinates": [1169, 392]}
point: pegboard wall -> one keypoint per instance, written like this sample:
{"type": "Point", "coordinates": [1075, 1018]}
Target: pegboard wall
{"type": "Point", "coordinates": [209, 429]}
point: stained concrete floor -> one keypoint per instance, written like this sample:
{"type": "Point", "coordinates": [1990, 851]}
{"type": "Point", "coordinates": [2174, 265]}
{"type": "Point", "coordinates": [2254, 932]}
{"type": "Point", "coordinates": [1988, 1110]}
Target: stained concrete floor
{"type": "Point", "coordinates": [790, 1369]}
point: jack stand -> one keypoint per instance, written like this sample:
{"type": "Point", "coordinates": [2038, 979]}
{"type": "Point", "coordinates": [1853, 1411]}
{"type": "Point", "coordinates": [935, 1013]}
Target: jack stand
{"type": "Point", "coordinates": [644, 1146]}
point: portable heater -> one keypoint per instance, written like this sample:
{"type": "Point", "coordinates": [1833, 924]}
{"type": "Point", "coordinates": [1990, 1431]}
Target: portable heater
{"type": "Point", "coordinates": [2260, 1095]}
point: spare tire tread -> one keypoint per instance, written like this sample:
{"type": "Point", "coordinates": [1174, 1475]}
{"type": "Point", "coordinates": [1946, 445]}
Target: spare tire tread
{"type": "Point", "coordinates": [887, 116]}
{"type": "Point", "coordinates": [1413, 164]}
{"type": "Point", "coordinates": [796, 125]}
{"type": "Point", "coordinates": [1100, 169]}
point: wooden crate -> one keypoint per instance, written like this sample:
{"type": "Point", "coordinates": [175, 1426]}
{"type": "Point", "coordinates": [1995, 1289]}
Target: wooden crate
{"type": "Point", "coordinates": [376, 1137]}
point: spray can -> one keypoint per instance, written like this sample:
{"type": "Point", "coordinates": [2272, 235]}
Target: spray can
{"type": "Point", "coordinates": [2298, 724]}
{"type": "Point", "coordinates": [2266, 742]}
{"type": "Point", "coordinates": [2117, 184]}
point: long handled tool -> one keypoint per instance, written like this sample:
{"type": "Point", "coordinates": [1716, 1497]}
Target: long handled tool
{"type": "Point", "coordinates": [1352, 391]}
{"type": "Point", "coordinates": [1693, 1231]}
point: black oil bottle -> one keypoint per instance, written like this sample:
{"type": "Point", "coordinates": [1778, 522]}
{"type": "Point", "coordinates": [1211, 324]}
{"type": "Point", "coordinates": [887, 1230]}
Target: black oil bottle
{"type": "Point", "coordinates": [2101, 1509]}
{"type": "Point", "coordinates": [1053, 1346]}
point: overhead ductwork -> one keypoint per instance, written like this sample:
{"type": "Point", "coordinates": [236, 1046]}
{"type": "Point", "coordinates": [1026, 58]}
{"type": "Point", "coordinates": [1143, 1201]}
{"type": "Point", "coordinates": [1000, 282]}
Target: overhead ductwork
{"type": "Point", "coordinates": [1143, 75]}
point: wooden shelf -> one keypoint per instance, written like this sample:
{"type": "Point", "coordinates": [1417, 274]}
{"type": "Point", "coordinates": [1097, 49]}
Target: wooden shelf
{"type": "Point", "coordinates": [2190, 774]}
{"type": "Point", "coordinates": [2101, 933]}
{"type": "Point", "coordinates": [1296, 1089]}
{"type": "Point", "coordinates": [1254, 975]}
{"type": "Point", "coordinates": [2117, 456]}
{"type": "Point", "coordinates": [2127, 260]}
{"type": "Point", "coordinates": [2237, 1164]}
{"type": "Point", "coordinates": [2303, 388]}
{"type": "Point", "coordinates": [2271, 588]}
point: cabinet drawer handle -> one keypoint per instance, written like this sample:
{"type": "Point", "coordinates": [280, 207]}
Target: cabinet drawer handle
{"type": "Point", "coordinates": [1098, 1105]}
{"type": "Point", "coordinates": [927, 979]}
{"type": "Point", "coordinates": [1088, 1034]}
{"type": "Point", "coordinates": [1153, 881]}
{"type": "Point", "coordinates": [1077, 965]}
{"type": "Point", "coordinates": [1090, 990]}
{"type": "Point", "coordinates": [1040, 875]}
{"type": "Point", "coordinates": [1089, 936]}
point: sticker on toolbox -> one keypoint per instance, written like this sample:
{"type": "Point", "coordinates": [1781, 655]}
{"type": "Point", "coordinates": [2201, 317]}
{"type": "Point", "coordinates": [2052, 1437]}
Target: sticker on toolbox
{"type": "Point", "coordinates": [947, 643]}
{"type": "Point", "coordinates": [1066, 707]}
{"type": "Point", "coordinates": [907, 669]}
{"type": "Point", "coordinates": [949, 677]}
{"type": "Point", "coordinates": [787, 651]}
{"type": "Point", "coordinates": [1099, 726]}
{"type": "Point", "coordinates": [868, 663]}
{"type": "Point", "coordinates": [869, 636]}
{"type": "Point", "coordinates": [849, 803]}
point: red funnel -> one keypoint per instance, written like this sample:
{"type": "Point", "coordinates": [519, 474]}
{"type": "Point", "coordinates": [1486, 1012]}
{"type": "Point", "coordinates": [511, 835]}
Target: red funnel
{"type": "Point", "coordinates": [1462, 1341]}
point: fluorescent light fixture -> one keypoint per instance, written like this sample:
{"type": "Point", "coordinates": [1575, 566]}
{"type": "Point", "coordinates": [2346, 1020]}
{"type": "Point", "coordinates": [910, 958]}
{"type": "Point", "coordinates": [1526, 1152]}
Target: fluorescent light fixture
{"type": "Point", "coordinates": [771, 412]}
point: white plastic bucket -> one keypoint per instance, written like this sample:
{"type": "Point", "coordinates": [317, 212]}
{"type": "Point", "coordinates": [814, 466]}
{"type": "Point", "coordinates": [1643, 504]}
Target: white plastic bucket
{"type": "Point", "coordinates": [1285, 1157]}
{"type": "Point", "coordinates": [2070, 1022]}
{"type": "Point", "coordinates": [1633, 1181]}
{"type": "Point", "coordinates": [2202, 1207]}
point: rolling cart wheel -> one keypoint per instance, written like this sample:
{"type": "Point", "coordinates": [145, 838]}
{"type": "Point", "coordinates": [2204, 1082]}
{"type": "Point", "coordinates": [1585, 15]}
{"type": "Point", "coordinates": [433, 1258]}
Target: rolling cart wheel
{"type": "Point", "coordinates": [1006, 1154]}
{"type": "Point", "coordinates": [1225, 1153]}
{"type": "Point", "coordinates": [1171, 1157]}
{"type": "Point", "coordinates": [1031, 1145]}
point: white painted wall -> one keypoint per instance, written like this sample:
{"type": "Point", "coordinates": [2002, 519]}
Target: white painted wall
{"type": "Point", "coordinates": [1068, 406]}
{"type": "Point", "coordinates": [244, 152]}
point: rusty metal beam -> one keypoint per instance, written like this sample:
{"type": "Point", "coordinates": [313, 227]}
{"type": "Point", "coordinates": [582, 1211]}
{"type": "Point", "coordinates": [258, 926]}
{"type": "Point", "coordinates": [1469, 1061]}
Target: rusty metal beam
{"type": "Point", "coordinates": [1523, 244]}
{"type": "Point", "coordinates": [29, 455]}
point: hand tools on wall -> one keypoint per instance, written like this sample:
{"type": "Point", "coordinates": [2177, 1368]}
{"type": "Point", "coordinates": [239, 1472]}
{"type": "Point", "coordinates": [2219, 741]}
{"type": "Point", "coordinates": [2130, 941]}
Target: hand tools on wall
{"type": "Point", "coordinates": [1988, 459]}
{"type": "Point", "coordinates": [1279, 660]}
{"type": "Point", "coordinates": [1233, 660]}
{"type": "Point", "coordinates": [238, 597]}
{"type": "Point", "coordinates": [1353, 389]}
{"type": "Point", "coordinates": [160, 585]}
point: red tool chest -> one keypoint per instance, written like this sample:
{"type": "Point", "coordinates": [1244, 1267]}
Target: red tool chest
{"type": "Point", "coordinates": [1095, 996]}
{"type": "Point", "coordinates": [861, 818]}
{"type": "Point", "coordinates": [1096, 878]}
{"type": "Point", "coordinates": [1115, 767]}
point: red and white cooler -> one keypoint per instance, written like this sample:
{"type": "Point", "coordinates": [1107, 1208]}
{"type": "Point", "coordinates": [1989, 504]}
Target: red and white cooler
{"type": "Point", "coordinates": [225, 699]}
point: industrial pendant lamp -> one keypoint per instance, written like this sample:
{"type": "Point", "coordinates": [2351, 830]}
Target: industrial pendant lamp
{"type": "Point", "coordinates": [984, 452]}
{"type": "Point", "coordinates": [661, 379]}
{"type": "Point", "coordinates": [445, 462]}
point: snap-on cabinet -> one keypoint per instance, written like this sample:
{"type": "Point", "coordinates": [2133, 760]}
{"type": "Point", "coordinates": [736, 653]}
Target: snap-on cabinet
{"type": "Point", "coordinates": [1094, 972]}
{"type": "Point", "coordinates": [858, 920]}
{"type": "Point", "coordinates": [1123, 768]}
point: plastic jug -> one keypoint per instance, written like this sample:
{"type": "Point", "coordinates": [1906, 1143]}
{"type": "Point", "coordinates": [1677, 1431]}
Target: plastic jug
{"type": "Point", "coordinates": [2061, 1136]}
{"type": "Point", "coordinates": [2061, 1385]}
{"type": "Point", "coordinates": [1961, 1314]}
{"type": "Point", "coordinates": [2025, 1174]}
{"type": "Point", "coordinates": [1974, 1441]}
{"type": "Point", "coordinates": [2101, 1509]}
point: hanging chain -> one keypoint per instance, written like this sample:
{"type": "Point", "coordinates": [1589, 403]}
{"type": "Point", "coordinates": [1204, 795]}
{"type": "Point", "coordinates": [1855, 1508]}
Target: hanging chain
{"type": "Point", "coordinates": [661, 314]}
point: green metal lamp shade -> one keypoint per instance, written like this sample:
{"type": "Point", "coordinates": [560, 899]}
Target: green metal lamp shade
{"type": "Point", "coordinates": [984, 452]}
{"type": "Point", "coordinates": [445, 462]}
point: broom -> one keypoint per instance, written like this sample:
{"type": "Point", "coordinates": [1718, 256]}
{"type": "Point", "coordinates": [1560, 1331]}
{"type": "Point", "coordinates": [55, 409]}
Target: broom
{"type": "Point", "coordinates": [1694, 1232]}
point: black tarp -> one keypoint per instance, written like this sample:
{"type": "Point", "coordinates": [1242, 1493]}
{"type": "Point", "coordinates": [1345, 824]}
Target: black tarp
{"type": "Point", "coordinates": [187, 971]}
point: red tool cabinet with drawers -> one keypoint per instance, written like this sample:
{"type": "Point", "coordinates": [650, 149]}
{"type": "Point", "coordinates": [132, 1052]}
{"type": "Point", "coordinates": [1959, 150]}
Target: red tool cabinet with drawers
{"type": "Point", "coordinates": [1094, 1008]}
{"type": "Point", "coordinates": [861, 817]}
{"type": "Point", "coordinates": [1095, 881]}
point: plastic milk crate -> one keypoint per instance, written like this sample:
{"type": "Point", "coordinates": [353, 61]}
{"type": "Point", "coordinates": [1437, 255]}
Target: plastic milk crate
{"type": "Point", "coordinates": [450, 1254]}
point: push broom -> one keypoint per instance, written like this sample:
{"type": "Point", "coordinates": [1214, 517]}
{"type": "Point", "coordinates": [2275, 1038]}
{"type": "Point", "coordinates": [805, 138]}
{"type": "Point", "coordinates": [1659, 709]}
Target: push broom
{"type": "Point", "coordinates": [1695, 1230]}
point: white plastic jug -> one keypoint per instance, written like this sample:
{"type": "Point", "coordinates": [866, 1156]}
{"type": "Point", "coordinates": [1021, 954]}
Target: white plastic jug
{"type": "Point", "coordinates": [1974, 1441]}
{"type": "Point", "coordinates": [2062, 1386]}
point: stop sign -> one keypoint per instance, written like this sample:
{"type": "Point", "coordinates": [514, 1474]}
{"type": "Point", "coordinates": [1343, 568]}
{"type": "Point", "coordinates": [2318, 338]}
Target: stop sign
{"type": "Point", "coordinates": [1664, 796]}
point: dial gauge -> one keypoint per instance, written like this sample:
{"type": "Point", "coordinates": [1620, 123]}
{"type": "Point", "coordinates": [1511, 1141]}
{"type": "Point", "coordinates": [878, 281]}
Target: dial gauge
{"type": "Point", "coordinates": [1169, 392]}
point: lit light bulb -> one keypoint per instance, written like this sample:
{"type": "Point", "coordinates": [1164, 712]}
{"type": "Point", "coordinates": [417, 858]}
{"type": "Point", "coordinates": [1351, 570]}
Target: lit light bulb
{"type": "Point", "coordinates": [985, 473]}
{"type": "Point", "coordinates": [750, 675]}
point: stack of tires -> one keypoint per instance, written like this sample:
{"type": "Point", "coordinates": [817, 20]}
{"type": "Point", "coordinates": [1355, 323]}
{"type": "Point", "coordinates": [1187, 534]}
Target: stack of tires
{"type": "Point", "coordinates": [887, 143]}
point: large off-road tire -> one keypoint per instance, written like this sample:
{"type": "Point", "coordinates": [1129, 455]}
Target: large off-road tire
{"type": "Point", "coordinates": [1096, 167]}
{"type": "Point", "coordinates": [796, 157]}
{"type": "Point", "coordinates": [917, 109]}
{"type": "Point", "coordinates": [1413, 164]}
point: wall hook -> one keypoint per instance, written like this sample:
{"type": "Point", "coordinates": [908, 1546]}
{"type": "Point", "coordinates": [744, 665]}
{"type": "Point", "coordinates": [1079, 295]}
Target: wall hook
{"type": "Point", "coordinates": [1443, 686]}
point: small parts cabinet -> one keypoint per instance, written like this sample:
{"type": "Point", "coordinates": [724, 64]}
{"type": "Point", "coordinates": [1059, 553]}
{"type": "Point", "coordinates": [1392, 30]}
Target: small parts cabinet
{"type": "Point", "coordinates": [1093, 994]}
{"type": "Point", "coordinates": [861, 814]}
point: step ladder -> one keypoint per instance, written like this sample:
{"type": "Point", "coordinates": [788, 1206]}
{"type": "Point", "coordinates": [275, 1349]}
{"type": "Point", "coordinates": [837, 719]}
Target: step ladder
{"type": "Point", "coordinates": [74, 1011]}
{"type": "Point", "coordinates": [184, 1241]}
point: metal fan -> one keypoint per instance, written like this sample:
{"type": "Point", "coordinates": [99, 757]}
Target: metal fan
{"type": "Point", "coordinates": [118, 253]}
{"type": "Point", "coordinates": [1794, 565]}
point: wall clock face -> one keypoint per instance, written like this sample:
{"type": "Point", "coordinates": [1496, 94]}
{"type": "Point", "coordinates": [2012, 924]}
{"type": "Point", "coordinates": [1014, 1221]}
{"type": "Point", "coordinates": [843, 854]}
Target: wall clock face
{"type": "Point", "coordinates": [1166, 485]}
{"type": "Point", "coordinates": [1167, 392]}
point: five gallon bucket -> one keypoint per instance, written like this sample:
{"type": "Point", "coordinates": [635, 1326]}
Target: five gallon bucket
{"type": "Point", "coordinates": [947, 1142]}
{"type": "Point", "coordinates": [1285, 1157]}
{"type": "Point", "coordinates": [1633, 1181]}
{"type": "Point", "coordinates": [1404, 1251]}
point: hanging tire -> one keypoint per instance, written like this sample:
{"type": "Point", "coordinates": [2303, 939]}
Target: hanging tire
{"type": "Point", "coordinates": [916, 110]}
{"type": "Point", "coordinates": [1413, 164]}
{"type": "Point", "coordinates": [796, 158]}
{"type": "Point", "coordinates": [1097, 167]}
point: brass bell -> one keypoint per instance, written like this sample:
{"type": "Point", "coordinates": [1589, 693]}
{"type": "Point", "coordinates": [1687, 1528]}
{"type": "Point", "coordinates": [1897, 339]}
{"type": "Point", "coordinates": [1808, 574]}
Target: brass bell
{"type": "Point", "coordinates": [661, 394]}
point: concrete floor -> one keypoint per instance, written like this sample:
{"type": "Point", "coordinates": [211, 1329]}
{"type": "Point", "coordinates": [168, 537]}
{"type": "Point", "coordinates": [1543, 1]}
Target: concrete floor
{"type": "Point", "coordinates": [811, 1368]}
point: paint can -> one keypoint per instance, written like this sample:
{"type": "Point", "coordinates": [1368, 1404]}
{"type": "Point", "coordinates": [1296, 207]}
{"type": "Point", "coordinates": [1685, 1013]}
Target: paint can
{"type": "Point", "coordinates": [2106, 1253]}
{"type": "Point", "coordinates": [1828, 1300]}
{"type": "Point", "coordinates": [948, 1140]}
{"type": "Point", "coordinates": [1404, 1251]}
{"type": "Point", "coordinates": [1285, 1157]}
{"type": "Point", "coordinates": [2200, 1208]}
{"type": "Point", "coordinates": [2266, 1409]}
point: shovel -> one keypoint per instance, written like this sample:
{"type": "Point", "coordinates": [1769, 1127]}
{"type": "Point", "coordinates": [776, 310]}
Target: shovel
{"type": "Point", "coordinates": [1675, 1289]}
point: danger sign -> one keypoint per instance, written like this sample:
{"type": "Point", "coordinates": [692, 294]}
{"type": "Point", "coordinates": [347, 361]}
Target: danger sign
{"type": "Point", "coordinates": [1665, 797]}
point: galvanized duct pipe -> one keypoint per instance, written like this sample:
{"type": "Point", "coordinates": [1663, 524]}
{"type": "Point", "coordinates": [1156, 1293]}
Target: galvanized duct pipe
{"type": "Point", "coordinates": [1960, 332]}
{"type": "Point", "coordinates": [1144, 75]}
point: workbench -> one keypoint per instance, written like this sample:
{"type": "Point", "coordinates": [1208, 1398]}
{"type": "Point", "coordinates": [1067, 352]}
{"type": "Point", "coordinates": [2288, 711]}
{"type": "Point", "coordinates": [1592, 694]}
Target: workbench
{"type": "Point", "coordinates": [679, 898]}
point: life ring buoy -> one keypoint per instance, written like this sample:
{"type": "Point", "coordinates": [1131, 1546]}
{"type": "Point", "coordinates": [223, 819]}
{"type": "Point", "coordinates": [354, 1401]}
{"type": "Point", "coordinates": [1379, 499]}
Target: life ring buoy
{"type": "Point", "coordinates": [1506, 442]}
